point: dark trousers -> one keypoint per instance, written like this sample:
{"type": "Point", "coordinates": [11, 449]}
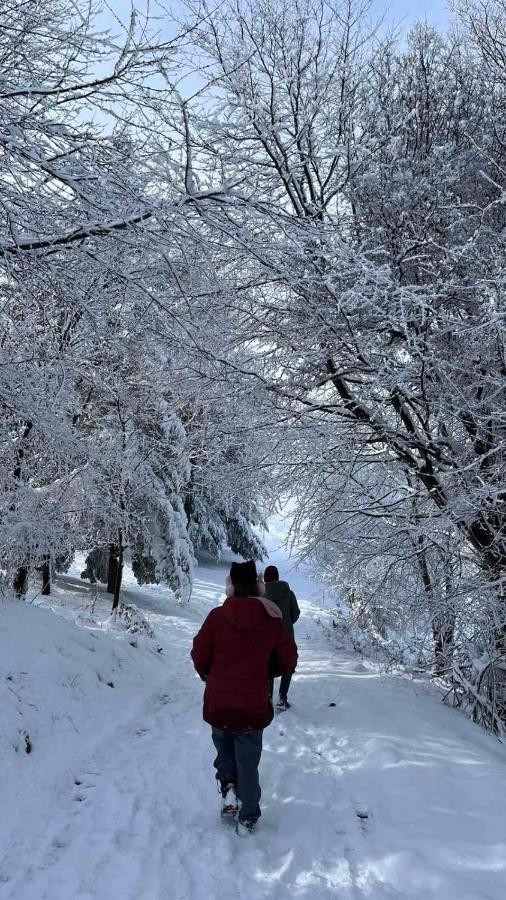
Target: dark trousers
{"type": "Point", "coordinates": [237, 761]}
{"type": "Point", "coordinates": [283, 687]}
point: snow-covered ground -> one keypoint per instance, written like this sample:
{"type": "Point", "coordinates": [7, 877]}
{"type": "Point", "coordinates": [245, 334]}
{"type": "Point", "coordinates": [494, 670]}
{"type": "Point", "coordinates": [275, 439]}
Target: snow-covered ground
{"type": "Point", "coordinates": [371, 788]}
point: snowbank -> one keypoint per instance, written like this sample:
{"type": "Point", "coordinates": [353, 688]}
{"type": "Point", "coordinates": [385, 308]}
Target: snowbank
{"type": "Point", "coordinates": [61, 688]}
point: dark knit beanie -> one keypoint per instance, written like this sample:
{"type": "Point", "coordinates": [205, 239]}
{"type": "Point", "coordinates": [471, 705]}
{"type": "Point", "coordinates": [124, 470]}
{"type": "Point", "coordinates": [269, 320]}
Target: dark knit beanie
{"type": "Point", "coordinates": [271, 574]}
{"type": "Point", "coordinates": [243, 573]}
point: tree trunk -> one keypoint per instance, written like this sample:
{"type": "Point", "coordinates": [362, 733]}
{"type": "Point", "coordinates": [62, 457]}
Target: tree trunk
{"type": "Point", "coordinates": [112, 570]}
{"type": "Point", "coordinates": [443, 631]}
{"type": "Point", "coordinates": [500, 633]}
{"type": "Point", "coordinates": [20, 582]}
{"type": "Point", "coordinates": [46, 578]}
{"type": "Point", "coordinates": [119, 575]}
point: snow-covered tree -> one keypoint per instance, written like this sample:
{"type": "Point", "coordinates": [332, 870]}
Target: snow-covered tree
{"type": "Point", "coordinates": [369, 204]}
{"type": "Point", "coordinates": [99, 305]}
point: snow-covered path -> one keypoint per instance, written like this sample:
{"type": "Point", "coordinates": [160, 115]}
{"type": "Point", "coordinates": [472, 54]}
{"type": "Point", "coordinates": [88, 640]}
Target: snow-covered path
{"type": "Point", "coordinates": [371, 789]}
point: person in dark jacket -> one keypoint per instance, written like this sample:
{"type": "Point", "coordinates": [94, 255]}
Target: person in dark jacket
{"type": "Point", "coordinates": [281, 594]}
{"type": "Point", "coordinates": [241, 645]}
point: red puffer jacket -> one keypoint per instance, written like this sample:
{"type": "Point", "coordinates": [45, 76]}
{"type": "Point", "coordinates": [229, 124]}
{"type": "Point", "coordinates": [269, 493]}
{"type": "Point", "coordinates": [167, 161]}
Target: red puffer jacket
{"type": "Point", "coordinates": [239, 647]}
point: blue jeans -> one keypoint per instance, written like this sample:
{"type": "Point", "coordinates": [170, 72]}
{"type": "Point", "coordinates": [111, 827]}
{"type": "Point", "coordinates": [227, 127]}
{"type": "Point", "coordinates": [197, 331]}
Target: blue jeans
{"type": "Point", "coordinates": [237, 762]}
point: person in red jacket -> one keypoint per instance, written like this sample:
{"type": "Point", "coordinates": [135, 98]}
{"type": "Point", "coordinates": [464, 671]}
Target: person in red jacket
{"type": "Point", "coordinates": [241, 645]}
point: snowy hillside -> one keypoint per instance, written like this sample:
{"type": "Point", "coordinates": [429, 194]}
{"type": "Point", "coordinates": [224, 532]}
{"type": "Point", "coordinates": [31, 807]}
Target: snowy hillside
{"type": "Point", "coordinates": [371, 788]}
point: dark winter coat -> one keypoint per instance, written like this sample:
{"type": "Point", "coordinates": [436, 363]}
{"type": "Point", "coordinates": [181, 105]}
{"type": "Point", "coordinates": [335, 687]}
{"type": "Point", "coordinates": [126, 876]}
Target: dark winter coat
{"type": "Point", "coordinates": [238, 649]}
{"type": "Point", "coordinates": [284, 597]}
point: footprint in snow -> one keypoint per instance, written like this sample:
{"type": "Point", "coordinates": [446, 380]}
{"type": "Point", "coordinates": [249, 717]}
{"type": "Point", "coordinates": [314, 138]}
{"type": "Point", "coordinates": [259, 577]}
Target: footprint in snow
{"type": "Point", "coordinates": [80, 794]}
{"type": "Point", "coordinates": [363, 815]}
{"type": "Point", "coordinates": [59, 843]}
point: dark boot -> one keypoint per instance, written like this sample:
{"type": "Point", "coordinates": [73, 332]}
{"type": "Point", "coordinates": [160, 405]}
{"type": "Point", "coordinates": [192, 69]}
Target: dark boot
{"type": "Point", "coordinates": [229, 804]}
{"type": "Point", "coordinates": [244, 828]}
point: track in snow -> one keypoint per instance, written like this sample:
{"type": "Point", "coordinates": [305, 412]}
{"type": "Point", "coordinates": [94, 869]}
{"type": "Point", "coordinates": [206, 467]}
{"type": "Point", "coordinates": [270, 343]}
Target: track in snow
{"type": "Point", "coordinates": [385, 794]}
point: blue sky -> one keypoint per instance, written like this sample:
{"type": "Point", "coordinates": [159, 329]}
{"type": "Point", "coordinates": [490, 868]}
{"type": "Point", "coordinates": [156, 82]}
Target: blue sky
{"type": "Point", "coordinates": [398, 11]}
{"type": "Point", "coordinates": [408, 11]}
